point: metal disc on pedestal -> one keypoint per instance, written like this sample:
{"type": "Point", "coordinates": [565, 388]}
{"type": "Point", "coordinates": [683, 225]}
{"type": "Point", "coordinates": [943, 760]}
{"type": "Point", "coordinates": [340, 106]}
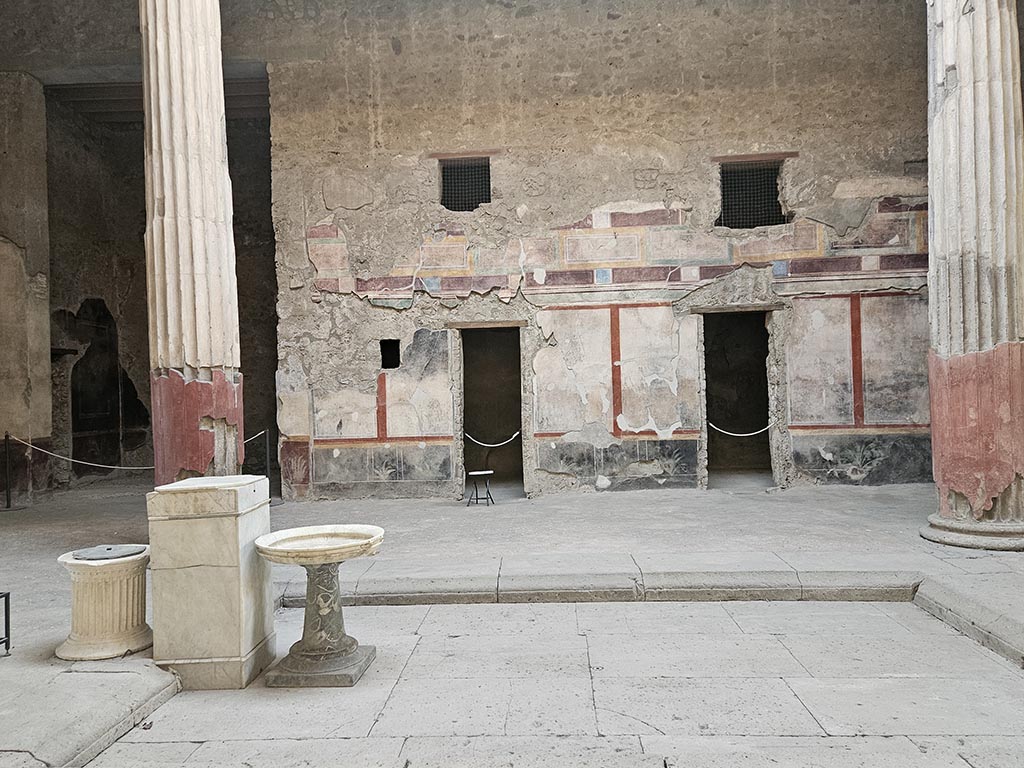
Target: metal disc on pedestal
{"type": "Point", "coordinates": [108, 551]}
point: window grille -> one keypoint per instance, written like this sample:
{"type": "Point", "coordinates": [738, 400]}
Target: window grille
{"type": "Point", "coordinates": [750, 195]}
{"type": "Point", "coordinates": [465, 182]}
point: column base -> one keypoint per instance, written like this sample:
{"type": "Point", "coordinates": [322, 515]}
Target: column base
{"type": "Point", "coordinates": [85, 649]}
{"type": "Point", "coordinates": [1003, 537]}
{"type": "Point", "coordinates": [336, 672]}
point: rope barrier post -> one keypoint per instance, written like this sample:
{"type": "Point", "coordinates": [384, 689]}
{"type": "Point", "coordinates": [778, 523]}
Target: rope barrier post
{"type": "Point", "coordinates": [266, 452]}
{"type": "Point", "coordinates": [7, 468]}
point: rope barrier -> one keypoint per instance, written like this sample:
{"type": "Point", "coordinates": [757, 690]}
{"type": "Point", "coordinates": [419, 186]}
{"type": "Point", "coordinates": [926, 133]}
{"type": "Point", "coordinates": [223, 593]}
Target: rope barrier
{"type": "Point", "coordinates": [258, 434]}
{"type": "Point", "coordinates": [73, 461]}
{"type": "Point", "coordinates": [103, 466]}
{"type": "Point", "coordinates": [490, 445]}
{"type": "Point", "coordinates": [746, 434]}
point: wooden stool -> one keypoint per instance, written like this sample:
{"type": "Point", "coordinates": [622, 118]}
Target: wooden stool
{"type": "Point", "coordinates": [476, 497]}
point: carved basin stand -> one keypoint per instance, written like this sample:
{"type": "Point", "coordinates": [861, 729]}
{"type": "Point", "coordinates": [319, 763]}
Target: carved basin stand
{"type": "Point", "coordinates": [326, 655]}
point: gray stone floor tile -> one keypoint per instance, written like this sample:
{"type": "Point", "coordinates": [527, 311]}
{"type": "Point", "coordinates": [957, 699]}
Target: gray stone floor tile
{"type": "Point", "coordinates": [717, 656]}
{"type": "Point", "coordinates": [468, 656]}
{"type": "Point", "coordinates": [300, 753]}
{"type": "Point", "coordinates": [543, 619]}
{"type": "Point", "coordinates": [692, 707]}
{"type": "Point", "coordinates": [913, 706]}
{"type": "Point", "coordinates": [127, 754]}
{"type": "Point", "coordinates": [917, 621]}
{"type": "Point", "coordinates": [791, 618]}
{"type": "Point", "coordinates": [654, 619]}
{"type": "Point", "coordinates": [792, 752]}
{"type": "Point", "coordinates": [489, 707]}
{"type": "Point", "coordinates": [267, 713]}
{"type": "Point", "coordinates": [975, 751]}
{"type": "Point", "coordinates": [528, 752]}
{"type": "Point", "coordinates": [828, 655]}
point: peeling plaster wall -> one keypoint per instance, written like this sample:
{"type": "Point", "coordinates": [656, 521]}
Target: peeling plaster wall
{"type": "Point", "coordinates": [601, 123]}
{"type": "Point", "coordinates": [603, 118]}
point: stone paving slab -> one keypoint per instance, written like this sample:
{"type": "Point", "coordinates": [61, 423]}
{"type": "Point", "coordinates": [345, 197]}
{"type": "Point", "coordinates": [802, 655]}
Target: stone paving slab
{"type": "Point", "coordinates": [461, 685]}
{"type": "Point", "coordinates": [847, 655]}
{"type": "Point", "coordinates": [799, 618]}
{"type": "Point", "coordinates": [65, 713]}
{"type": "Point", "coordinates": [908, 706]}
{"type": "Point", "coordinates": [986, 607]}
{"type": "Point", "coordinates": [641, 619]}
{"type": "Point", "coordinates": [795, 752]}
{"type": "Point", "coordinates": [716, 656]}
{"type": "Point", "coordinates": [694, 707]}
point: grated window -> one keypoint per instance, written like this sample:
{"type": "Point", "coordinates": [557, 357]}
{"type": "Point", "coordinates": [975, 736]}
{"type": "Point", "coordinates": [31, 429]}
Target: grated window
{"type": "Point", "coordinates": [390, 353]}
{"type": "Point", "coordinates": [465, 182]}
{"type": "Point", "coordinates": [750, 195]}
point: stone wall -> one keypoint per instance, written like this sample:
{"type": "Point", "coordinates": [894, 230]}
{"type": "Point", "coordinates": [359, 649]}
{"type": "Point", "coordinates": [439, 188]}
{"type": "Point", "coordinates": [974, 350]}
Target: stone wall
{"type": "Point", "coordinates": [97, 224]}
{"type": "Point", "coordinates": [98, 270]}
{"type": "Point", "coordinates": [249, 166]}
{"type": "Point", "coordinates": [603, 126]}
{"type": "Point", "coordinates": [24, 280]}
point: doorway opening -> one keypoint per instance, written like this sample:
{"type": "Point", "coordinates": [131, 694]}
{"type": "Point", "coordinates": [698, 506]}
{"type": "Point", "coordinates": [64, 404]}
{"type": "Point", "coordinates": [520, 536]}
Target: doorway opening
{"type": "Point", "coordinates": [493, 408]}
{"type": "Point", "coordinates": [736, 375]}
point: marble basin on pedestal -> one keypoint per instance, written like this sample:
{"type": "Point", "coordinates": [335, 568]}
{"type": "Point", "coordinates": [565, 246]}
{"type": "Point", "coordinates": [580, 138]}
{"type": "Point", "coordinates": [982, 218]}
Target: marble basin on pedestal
{"type": "Point", "coordinates": [326, 655]}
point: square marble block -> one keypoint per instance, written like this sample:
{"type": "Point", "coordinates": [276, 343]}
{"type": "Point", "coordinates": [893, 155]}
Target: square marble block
{"type": "Point", "coordinates": [213, 606]}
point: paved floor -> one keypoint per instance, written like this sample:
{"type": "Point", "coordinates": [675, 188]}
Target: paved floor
{"type": "Point", "coordinates": [624, 546]}
{"type": "Point", "coordinates": [628, 684]}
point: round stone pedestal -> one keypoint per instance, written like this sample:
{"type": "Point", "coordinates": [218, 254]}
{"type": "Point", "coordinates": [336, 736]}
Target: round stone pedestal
{"type": "Point", "coordinates": [108, 602]}
{"type": "Point", "coordinates": [326, 655]}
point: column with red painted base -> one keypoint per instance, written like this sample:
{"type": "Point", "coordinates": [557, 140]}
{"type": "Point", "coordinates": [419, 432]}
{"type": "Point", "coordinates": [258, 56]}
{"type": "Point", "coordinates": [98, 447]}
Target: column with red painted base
{"type": "Point", "coordinates": [976, 277]}
{"type": "Point", "coordinates": [190, 255]}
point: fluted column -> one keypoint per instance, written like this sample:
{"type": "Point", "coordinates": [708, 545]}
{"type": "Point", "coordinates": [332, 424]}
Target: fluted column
{"type": "Point", "coordinates": [976, 276]}
{"type": "Point", "coordinates": [190, 255]}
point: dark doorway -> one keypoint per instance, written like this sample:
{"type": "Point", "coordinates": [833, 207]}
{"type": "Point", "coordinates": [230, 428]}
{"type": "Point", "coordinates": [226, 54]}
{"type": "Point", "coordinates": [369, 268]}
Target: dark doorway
{"type": "Point", "coordinates": [735, 365]}
{"type": "Point", "coordinates": [107, 417]}
{"type": "Point", "coordinates": [492, 405]}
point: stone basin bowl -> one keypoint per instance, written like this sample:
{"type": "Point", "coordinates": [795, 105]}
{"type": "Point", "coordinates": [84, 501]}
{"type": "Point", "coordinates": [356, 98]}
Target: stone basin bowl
{"type": "Point", "coordinates": [320, 544]}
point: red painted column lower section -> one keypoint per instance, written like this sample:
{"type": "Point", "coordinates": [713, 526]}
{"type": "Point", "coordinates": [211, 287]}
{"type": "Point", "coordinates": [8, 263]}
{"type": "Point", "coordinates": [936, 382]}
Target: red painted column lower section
{"type": "Point", "coordinates": [180, 444]}
{"type": "Point", "coordinates": [977, 406]}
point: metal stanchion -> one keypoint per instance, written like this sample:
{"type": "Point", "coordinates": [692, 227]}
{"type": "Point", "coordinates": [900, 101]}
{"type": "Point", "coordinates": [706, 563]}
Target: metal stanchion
{"type": "Point", "coordinates": [266, 452]}
{"type": "Point", "coordinates": [7, 468]}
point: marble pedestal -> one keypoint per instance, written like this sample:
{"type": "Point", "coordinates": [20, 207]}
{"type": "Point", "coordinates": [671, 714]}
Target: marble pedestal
{"type": "Point", "coordinates": [326, 655]}
{"type": "Point", "coordinates": [108, 606]}
{"type": "Point", "coordinates": [213, 607]}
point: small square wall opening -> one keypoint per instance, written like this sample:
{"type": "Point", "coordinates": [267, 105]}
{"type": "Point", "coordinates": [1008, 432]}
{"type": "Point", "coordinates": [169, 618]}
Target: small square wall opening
{"type": "Point", "coordinates": [465, 182]}
{"type": "Point", "coordinates": [390, 353]}
{"type": "Point", "coordinates": [750, 195]}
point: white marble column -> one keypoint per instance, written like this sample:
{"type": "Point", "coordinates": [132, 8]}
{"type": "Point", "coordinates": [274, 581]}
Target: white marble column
{"type": "Point", "coordinates": [193, 298]}
{"type": "Point", "coordinates": [976, 278]}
